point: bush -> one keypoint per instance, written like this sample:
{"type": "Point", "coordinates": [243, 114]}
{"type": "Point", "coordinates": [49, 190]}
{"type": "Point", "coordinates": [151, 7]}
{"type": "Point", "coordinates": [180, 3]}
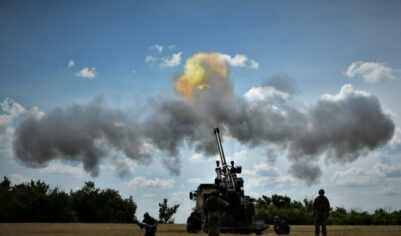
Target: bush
{"type": "Point", "coordinates": [297, 213]}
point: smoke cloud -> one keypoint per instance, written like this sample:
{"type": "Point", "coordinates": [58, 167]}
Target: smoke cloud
{"type": "Point", "coordinates": [78, 133]}
{"type": "Point", "coordinates": [343, 127]}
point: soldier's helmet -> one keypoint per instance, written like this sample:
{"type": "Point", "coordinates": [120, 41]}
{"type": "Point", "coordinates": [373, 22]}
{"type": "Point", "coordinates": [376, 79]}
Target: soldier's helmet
{"type": "Point", "coordinates": [276, 218]}
{"type": "Point", "coordinates": [146, 214]}
{"type": "Point", "coordinates": [321, 192]}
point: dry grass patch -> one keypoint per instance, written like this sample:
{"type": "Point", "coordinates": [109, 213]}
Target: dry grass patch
{"type": "Point", "coordinates": [172, 230]}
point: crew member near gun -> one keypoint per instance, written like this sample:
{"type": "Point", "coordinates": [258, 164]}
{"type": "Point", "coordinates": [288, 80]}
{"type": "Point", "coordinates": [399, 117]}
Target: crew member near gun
{"type": "Point", "coordinates": [214, 205]}
{"type": "Point", "coordinates": [321, 208]}
{"type": "Point", "coordinates": [151, 224]}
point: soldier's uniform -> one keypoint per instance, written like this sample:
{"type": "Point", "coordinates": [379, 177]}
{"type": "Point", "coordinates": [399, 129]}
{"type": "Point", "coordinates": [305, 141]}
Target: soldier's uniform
{"type": "Point", "coordinates": [147, 219]}
{"type": "Point", "coordinates": [281, 226]}
{"type": "Point", "coordinates": [194, 223]}
{"type": "Point", "coordinates": [321, 208]}
{"type": "Point", "coordinates": [213, 207]}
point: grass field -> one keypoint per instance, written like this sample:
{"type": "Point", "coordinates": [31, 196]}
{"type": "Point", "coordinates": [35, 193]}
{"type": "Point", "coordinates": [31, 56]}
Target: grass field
{"type": "Point", "coordinates": [171, 230]}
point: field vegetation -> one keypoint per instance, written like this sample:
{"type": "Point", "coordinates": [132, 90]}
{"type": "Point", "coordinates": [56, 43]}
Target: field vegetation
{"type": "Point", "coordinates": [301, 213]}
{"type": "Point", "coordinates": [61, 229]}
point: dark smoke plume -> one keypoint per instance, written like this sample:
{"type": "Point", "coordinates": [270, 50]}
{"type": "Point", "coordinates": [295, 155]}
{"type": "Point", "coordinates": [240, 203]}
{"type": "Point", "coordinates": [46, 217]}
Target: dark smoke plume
{"type": "Point", "coordinates": [343, 126]}
{"type": "Point", "coordinates": [77, 133]}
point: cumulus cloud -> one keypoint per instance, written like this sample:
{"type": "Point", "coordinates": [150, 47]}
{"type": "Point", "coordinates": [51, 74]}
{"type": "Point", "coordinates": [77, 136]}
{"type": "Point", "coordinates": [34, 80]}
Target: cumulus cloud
{"type": "Point", "coordinates": [62, 169]}
{"type": "Point", "coordinates": [13, 112]}
{"type": "Point", "coordinates": [195, 181]}
{"type": "Point", "coordinates": [163, 62]}
{"type": "Point", "coordinates": [262, 170]}
{"type": "Point", "coordinates": [157, 47]}
{"type": "Point", "coordinates": [383, 178]}
{"type": "Point", "coordinates": [352, 177]}
{"type": "Point", "coordinates": [267, 93]}
{"type": "Point", "coordinates": [240, 155]}
{"type": "Point", "coordinates": [264, 181]}
{"type": "Point", "coordinates": [387, 170]}
{"type": "Point", "coordinates": [254, 64]}
{"type": "Point", "coordinates": [390, 190]}
{"type": "Point", "coordinates": [87, 73]}
{"type": "Point", "coordinates": [150, 59]}
{"type": "Point", "coordinates": [171, 61]}
{"type": "Point", "coordinates": [197, 158]}
{"type": "Point", "coordinates": [371, 72]}
{"type": "Point", "coordinates": [263, 174]}
{"type": "Point", "coordinates": [71, 63]}
{"type": "Point", "coordinates": [240, 60]}
{"type": "Point", "coordinates": [148, 195]}
{"type": "Point", "coordinates": [19, 179]}
{"type": "Point", "coordinates": [143, 182]}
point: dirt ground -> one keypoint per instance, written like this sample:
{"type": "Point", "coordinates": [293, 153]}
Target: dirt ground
{"type": "Point", "coordinates": [177, 229]}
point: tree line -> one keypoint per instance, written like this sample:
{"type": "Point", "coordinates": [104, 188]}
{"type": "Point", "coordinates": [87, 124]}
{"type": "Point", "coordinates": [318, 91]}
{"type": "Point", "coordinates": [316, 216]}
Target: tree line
{"type": "Point", "coordinates": [301, 213]}
{"type": "Point", "coordinates": [36, 201]}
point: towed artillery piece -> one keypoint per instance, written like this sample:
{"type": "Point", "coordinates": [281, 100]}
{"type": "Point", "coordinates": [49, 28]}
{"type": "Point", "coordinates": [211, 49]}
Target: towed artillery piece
{"type": "Point", "coordinates": [238, 217]}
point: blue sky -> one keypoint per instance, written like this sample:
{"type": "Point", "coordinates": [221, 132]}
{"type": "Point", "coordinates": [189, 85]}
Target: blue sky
{"type": "Point", "coordinates": [107, 43]}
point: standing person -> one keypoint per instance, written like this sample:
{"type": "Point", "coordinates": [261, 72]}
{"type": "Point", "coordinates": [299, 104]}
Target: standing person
{"type": "Point", "coordinates": [150, 225]}
{"type": "Point", "coordinates": [321, 208]}
{"type": "Point", "coordinates": [213, 206]}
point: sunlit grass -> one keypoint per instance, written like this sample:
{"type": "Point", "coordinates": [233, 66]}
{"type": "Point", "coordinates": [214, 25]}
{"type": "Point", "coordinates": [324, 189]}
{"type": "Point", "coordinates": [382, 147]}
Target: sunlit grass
{"type": "Point", "coordinates": [171, 230]}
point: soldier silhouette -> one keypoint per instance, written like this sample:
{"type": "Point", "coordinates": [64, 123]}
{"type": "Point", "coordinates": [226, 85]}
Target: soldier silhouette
{"type": "Point", "coordinates": [281, 226]}
{"type": "Point", "coordinates": [321, 208]}
{"type": "Point", "coordinates": [150, 225]}
{"type": "Point", "coordinates": [213, 206]}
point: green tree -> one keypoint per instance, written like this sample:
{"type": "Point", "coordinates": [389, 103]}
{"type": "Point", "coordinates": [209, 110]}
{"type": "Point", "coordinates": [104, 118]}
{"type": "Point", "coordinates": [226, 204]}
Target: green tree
{"type": "Point", "coordinates": [166, 213]}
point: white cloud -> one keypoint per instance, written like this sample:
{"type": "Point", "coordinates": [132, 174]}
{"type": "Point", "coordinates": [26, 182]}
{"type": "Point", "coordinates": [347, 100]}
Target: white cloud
{"type": "Point", "coordinates": [254, 64]}
{"type": "Point", "coordinates": [197, 158]}
{"type": "Point", "coordinates": [18, 179]}
{"type": "Point", "coordinates": [150, 59]}
{"type": "Point", "coordinates": [262, 170]}
{"type": "Point", "coordinates": [171, 61]}
{"type": "Point", "coordinates": [240, 60]}
{"type": "Point", "coordinates": [195, 181]}
{"type": "Point", "coordinates": [62, 169]}
{"type": "Point", "coordinates": [390, 190]}
{"type": "Point", "coordinates": [396, 140]}
{"type": "Point", "coordinates": [157, 47]}
{"type": "Point", "coordinates": [266, 93]}
{"type": "Point", "coordinates": [346, 91]}
{"type": "Point", "coordinates": [262, 175]}
{"type": "Point", "coordinates": [87, 73]}
{"type": "Point", "coordinates": [148, 195]}
{"type": "Point", "coordinates": [171, 47]}
{"type": "Point", "coordinates": [387, 171]}
{"type": "Point", "coordinates": [141, 181]}
{"type": "Point", "coordinates": [241, 155]}
{"type": "Point", "coordinates": [370, 72]}
{"type": "Point", "coordinates": [263, 181]}
{"type": "Point", "coordinates": [353, 177]}
{"type": "Point", "coordinates": [13, 112]}
{"type": "Point", "coordinates": [71, 64]}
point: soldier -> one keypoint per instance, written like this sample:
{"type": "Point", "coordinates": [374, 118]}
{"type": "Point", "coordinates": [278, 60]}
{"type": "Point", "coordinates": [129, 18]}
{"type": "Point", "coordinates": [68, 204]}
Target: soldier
{"type": "Point", "coordinates": [194, 222]}
{"type": "Point", "coordinates": [321, 208]}
{"type": "Point", "coordinates": [281, 226]}
{"type": "Point", "coordinates": [213, 206]}
{"type": "Point", "coordinates": [150, 225]}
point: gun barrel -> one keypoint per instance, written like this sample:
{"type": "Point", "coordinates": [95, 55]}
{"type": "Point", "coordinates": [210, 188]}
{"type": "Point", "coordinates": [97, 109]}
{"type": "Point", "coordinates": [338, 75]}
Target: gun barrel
{"type": "Point", "coordinates": [222, 157]}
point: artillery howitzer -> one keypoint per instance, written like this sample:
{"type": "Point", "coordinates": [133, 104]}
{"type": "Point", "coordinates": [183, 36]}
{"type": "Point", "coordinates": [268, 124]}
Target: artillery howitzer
{"type": "Point", "coordinates": [238, 218]}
